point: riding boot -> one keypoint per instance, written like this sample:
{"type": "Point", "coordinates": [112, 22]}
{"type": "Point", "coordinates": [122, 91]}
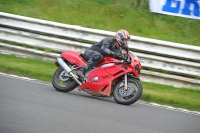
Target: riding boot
{"type": "Point", "coordinates": [95, 58]}
{"type": "Point", "coordinates": [81, 72]}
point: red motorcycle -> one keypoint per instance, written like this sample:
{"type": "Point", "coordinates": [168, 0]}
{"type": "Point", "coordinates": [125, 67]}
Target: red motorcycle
{"type": "Point", "coordinates": [110, 78]}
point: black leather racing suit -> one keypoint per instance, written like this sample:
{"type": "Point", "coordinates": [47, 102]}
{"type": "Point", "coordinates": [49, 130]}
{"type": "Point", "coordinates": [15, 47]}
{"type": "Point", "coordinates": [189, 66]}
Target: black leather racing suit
{"type": "Point", "coordinates": [95, 53]}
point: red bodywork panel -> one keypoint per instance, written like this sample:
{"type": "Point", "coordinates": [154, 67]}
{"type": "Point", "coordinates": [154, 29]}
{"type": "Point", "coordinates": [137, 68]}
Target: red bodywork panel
{"type": "Point", "coordinates": [107, 71]}
{"type": "Point", "coordinates": [74, 57]}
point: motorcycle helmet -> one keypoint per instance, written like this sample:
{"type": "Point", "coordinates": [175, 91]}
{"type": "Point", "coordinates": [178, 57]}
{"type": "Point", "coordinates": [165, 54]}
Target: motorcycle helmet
{"type": "Point", "coordinates": [122, 37]}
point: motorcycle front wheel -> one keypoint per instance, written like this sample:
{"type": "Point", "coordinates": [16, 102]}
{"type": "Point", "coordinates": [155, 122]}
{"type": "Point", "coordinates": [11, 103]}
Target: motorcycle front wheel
{"type": "Point", "coordinates": [129, 96]}
{"type": "Point", "coordinates": [62, 81]}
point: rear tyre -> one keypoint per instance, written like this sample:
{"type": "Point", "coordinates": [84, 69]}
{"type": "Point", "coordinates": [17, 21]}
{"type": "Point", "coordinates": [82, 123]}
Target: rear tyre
{"type": "Point", "coordinates": [62, 81]}
{"type": "Point", "coordinates": [129, 96]}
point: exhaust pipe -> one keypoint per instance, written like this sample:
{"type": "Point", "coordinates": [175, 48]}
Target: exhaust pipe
{"type": "Point", "coordinates": [67, 69]}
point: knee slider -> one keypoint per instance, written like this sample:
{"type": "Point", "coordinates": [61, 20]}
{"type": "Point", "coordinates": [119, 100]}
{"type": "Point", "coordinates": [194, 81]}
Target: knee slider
{"type": "Point", "coordinates": [97, 58]}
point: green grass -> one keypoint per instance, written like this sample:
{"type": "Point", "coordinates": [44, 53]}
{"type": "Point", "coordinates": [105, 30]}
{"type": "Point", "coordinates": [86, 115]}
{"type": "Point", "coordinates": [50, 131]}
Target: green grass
{"type": "Point", "coordinates": [111, 15]}
{"type": "Point", "coordinates": [168, 95]}
{"type": "Point", "coordinates": [27, 67]}
{"type": "Point", "coordinates": [162, 94]}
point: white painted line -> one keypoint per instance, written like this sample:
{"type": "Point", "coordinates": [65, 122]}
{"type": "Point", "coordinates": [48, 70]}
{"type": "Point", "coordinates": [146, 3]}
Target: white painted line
{"type": "Point", "coordinates": [169, 108]}
{"type": "Point", "coordinates": [139, 102]}
{"type": "Point", "coordinates": [24, 78]}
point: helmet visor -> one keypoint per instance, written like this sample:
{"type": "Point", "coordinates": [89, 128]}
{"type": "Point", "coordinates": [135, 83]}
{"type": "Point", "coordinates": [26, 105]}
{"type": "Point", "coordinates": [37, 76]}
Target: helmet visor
{"type": "Point", "coordinates": [126, 41]}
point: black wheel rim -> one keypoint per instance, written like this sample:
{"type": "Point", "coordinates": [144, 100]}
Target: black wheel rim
{"type": "Point", "coordinates": [129, 94]}
{"type": "Point", "coordinates": [63, 79]}
{"type": "Point", "coordinates": [63, 83]}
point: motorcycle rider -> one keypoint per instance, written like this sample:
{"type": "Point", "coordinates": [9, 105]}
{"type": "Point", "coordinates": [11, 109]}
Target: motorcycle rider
{"type": "Point", "coordinates": [110, 46]}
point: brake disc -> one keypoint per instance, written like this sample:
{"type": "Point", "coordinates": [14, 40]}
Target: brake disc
{"type": "Point", "coordinates": [125, 93]}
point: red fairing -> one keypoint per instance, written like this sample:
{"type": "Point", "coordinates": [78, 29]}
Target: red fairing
{"type": "Point", "coordinates": [134, 62]}
{"type": "Point", "coordinates": [103, 84]}
{"type": "Point", "coordinates": [74, 57]}
{"type": "Point", "coordinates": [99, 80]}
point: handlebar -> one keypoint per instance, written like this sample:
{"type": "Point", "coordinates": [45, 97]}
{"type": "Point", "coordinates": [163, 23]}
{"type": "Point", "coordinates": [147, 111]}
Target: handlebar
{"type": "Point", "coordinates": [126, 59]}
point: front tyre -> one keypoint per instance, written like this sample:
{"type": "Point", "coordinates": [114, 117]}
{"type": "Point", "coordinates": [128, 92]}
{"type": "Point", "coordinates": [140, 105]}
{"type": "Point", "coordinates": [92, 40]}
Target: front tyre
{"type": "Point", "coordinates": [129, 96]}
{"type": "Point", "coordinates": [62, 81]}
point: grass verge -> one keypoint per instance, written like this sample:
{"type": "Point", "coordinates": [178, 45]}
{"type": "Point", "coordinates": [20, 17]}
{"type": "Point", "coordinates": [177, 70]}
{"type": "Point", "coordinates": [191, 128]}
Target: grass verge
{"type": "Point", "coordinates": [162, 94]}
{"type": "Point", "coordinates": [111, 15]}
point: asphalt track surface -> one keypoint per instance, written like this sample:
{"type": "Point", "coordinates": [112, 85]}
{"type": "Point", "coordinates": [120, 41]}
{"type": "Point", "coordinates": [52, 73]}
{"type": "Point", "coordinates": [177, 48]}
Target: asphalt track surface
{"type": "Point", "coordinates": [33, 107]}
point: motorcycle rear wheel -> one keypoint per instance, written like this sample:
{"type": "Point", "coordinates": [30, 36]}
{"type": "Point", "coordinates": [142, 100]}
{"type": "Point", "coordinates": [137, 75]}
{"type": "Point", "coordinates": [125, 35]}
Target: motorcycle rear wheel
{"type": "Point", "coordinates": [129, 96]}
{"type": "Point", "coordinates": [63, 82]}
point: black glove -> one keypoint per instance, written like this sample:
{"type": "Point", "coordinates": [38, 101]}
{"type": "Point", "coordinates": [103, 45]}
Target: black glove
{"type": "Point", "coordinates": [117, 56]}
{"type": "Point", "coordinates": [127, 60]}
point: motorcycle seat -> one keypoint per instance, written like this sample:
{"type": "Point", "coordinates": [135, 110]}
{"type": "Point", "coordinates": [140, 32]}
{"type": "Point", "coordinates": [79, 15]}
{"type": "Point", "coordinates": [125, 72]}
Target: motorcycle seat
{"type": "Point", "coordinates": [83, 57]}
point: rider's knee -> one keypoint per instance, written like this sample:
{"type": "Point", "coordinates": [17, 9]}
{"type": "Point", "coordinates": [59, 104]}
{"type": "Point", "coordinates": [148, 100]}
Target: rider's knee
{"type": "Point", "coordinates": [97, 58]}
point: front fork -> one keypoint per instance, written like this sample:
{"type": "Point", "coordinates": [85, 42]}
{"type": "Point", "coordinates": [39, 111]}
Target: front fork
{"type": "Point", "coordinates": [126, 82]}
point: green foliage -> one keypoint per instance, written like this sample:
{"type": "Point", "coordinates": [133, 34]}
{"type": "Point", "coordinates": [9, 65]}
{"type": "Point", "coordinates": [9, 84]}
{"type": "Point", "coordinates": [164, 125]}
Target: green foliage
{"type": "Point", "coordinates": [112, 15]}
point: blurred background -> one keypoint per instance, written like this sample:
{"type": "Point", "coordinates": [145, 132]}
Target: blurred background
{"type": "Point", "coordinates": [111, 15]}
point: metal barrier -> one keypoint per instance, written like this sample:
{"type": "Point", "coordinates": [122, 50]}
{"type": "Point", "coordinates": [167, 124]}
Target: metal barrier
{"type": "Point", "coordinates": [163, 62]}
